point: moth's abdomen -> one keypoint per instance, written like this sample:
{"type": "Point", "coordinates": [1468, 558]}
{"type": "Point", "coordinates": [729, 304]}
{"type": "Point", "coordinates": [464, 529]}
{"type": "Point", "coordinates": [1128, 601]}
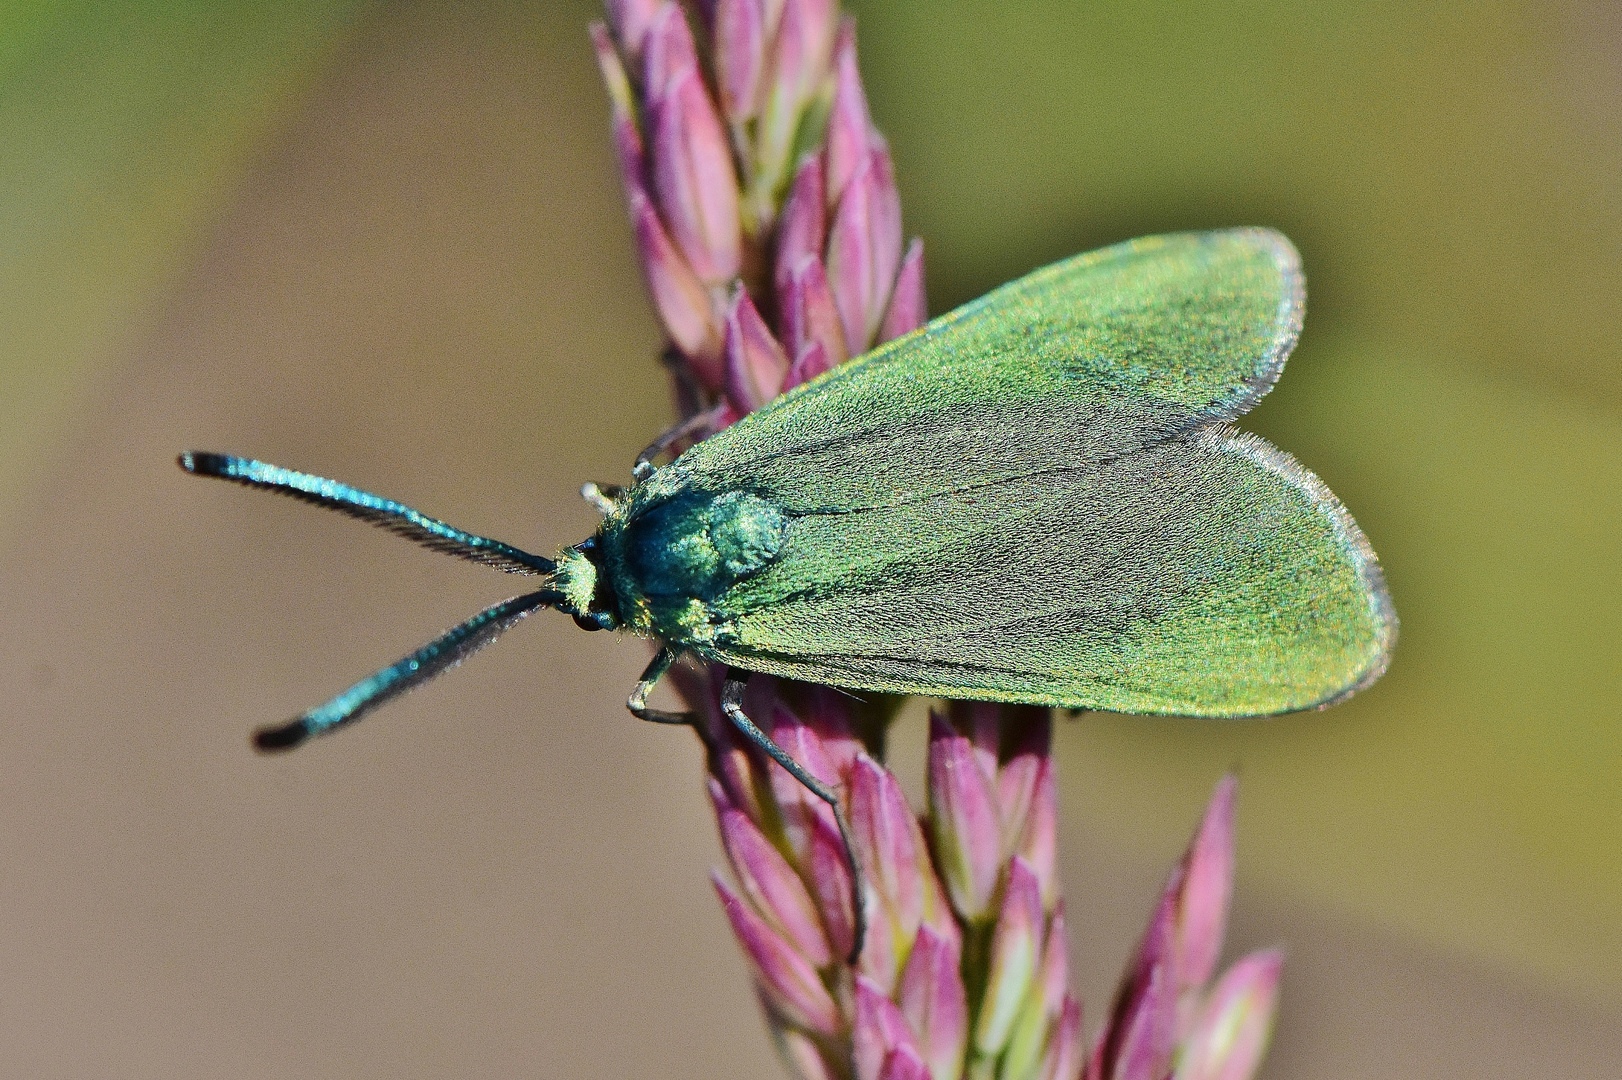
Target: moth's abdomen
{"type": "Point", "coordinates": [697, 545]}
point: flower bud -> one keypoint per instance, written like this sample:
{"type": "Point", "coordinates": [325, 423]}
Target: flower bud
{"type": "Point", "coordinates": [813, 361]}
{"type": "Point", "coordinates": [1016, 944]}
{"type": "Point", "coordinates": [693, 175]}
{"type": "Point", "coordinates": [877, 1030]}
{"type": "Point", "coordinates": [740, 56]}
{"type": "Point", "coordinates": [850, 128]}
{"type": "Point", "coordinates": [1207, 885]}
{"type": "Point", "coordinates": [935, 1004]}
{"type": "Point", "coordinates": [904, 1064]}
{"type": "Point", "coordinates": [627, 137]}
{"type": "Point", "coordinates": [755, 362]}
{"type": "Point", "coordinates": [963, 820]}
{"type": "Point", "coordinates": [887, 846]}
{"type": "Point", "coordinates": [682, 301]}
{"type": "Point", "coordinates": [631, 20]}
{"type": "Point", "coordinates": [766, 878]}
{"type": "Point", "coordinates": [864, 248]}
{"type": "Point", "coordinates": [1063, 1058]}
{"type": "Point", "coordinates": [909, 308]}
{"type": "Point", "coordinates": [803, 225]}
{"type": "Point", "coordinates": [786, 979]}
{"type": "Point", "coordinates": [809, 315]}
{"type": "Point", "coordinates": [1231, 1034]}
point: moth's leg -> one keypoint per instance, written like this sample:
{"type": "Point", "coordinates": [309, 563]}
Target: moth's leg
{"type": "Point", "coordinates": [732, 706]}
{"type": "Point", "coordinates": [699, 421]}
{"type": "Point", "coordinates": [656, 669]}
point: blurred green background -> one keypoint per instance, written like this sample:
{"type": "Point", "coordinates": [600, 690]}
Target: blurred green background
{"type": "Point", "coordinates": [385, 242]}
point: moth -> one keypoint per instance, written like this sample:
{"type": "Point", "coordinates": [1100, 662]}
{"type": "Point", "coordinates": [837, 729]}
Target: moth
{"type": "Point", "coordinates": [1036, 498]}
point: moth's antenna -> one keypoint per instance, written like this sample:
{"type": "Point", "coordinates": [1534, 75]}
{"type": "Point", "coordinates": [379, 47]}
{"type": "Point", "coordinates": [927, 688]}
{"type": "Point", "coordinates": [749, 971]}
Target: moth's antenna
{"type": "Point", "coordinates": [439, 655]}
{"type": "Point", "coordinates": [429, 532]}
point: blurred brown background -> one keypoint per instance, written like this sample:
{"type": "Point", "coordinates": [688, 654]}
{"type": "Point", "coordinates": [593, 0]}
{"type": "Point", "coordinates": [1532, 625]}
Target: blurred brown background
{"type": "Point", "coordinates": [385, 242]}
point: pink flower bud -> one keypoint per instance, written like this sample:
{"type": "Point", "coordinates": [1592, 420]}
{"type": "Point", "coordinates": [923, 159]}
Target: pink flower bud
{"type": "Point", "coordinates": [740, 56]}
{"type": "Point", "coordinates": [1037, 840]}
{"type": "Point", "coordinates": [787, 979]}
{"type": "Point", "coordinates": [1232, 1032]}
{"type": "Point", "coordinates": [813, 361]}
{"type": "Point", "coordinates": [864, 248]}
{"type": "Point", "coordinates": [963, 819]}
{"type": "Point", "coordinates": [904, 1064]}
{"type": "Point", "coordinates": [766, 878]}
{"type": "Point", "coordinates": [631, 19]}
{"type": "Point", "coordinates": [888, 846]}
{"type": "Point", "coordinates": [809, 315]}
{"type": "Point", "coordinates": [935, 1004]}
{"type": "Point", "coordinates": [909, 308]}
{"type": "Point", "coordinates": [1016, 944]}
{"type": "Point", "coordinates": [1040, 1010]}
{"type": "Point", "coordinates": [1063, 1058]}
{"type": "Point", "coordinates": [755, 362]}
{"type": "Point", "coordinates": [800, 55]}
{"type": "Point", "coordinates": [803, 225]}
{"type": "Point", "coordinates": [692, 172]}
{"type": "Point", "coordinates": [801, 1054]}
{"type": "Point", "coordinates": [668, 52]}
{"type": "Point", "coordinates": [850, 128]}
{"type": "Point", "coordinates": [799, 808]}
{"type": "Point", "coordinates": [1207, 885]}
{"type": "Point", "coordinates": [682, 301]}
{"type": "Point", "coordinates": [627, 137]}
{"type": "Point", "coordinates": [1137, 1042]}
{"type": "Point", "coordinates": [877, 1030]}
{"type": "Point", "coordinates": [830, 880]}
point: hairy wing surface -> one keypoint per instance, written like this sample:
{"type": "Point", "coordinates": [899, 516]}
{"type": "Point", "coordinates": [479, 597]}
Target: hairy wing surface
{"type": "Point", "coordinates": [1079, 362]}
{"type": "Point", "coordinates": [1209, 575]}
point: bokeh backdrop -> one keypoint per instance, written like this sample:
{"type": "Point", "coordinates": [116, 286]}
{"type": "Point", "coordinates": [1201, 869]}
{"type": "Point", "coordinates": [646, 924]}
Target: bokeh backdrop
{"type": "Point", "coordinates": [385, 242]}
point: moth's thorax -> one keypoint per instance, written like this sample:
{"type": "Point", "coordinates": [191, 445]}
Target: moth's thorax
{"type": "Point", "coordinates": [671, 557]}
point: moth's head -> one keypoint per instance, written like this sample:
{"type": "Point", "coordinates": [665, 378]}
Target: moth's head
{"type": "Point", "coordinates": [580, 579]}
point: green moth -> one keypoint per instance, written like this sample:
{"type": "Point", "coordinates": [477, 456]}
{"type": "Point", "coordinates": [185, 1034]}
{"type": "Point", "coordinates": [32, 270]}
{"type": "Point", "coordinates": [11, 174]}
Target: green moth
{"type": "Point", "coordinates": [1035, 498]}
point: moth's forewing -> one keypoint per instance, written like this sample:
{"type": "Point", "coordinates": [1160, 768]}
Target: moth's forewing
{"type": "Point", "coordinates": [1026, 501]}
{"type": "Point", "coordinates": [1209, 575]}
{"type": "Point", "coordinates": [1082, 360]}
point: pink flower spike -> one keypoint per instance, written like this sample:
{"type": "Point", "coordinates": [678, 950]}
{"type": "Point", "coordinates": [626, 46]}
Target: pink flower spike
{"type": "Point", "coordinates": [693, 175]}
{"type": "Point", "coordinates": [963, 818]}
{"type": "Point", "coordinates": [877, 1030]}
{"type": "Point", "coordinates": [771, 885]}
{"type": "Point", "coordinates": [813, 361]}
{"type": "Point", "coordinates": [864, 248]}
{"type": "Point", "coordinates": [904, 1064]}
{"type": "Point", "coordinates": [1232, 1033]}
{"type": "Point", "coordinates": [935, 1004]}
{"type": "Point", "coordinates": [787, 979]}
{"type": "Point", "coordinates": [631, 19]}
{"type": "Point", "coordinates": [755, 362]}
{"type": "Point", "coordinates": [850, 127]}
{"type": "Point", "coordinates": [1016, 945]}
{"type": "Point", "coordinates": [809, 315]}
{"type": "Point", "coordinates": [909, 309]}
{"type": "Point", "coordinates": [1026, 732]}
{"type": "Point", "coordinates": [681, 299]}
{"type": "Point", "coordinates": [1207, 888]}
{"type": "Point", "coordinates": [1063, 1058]}
{"type": "Point", "coordinates": [740, 56]}
{"type": "Point", "coordinates": [803, 225]}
